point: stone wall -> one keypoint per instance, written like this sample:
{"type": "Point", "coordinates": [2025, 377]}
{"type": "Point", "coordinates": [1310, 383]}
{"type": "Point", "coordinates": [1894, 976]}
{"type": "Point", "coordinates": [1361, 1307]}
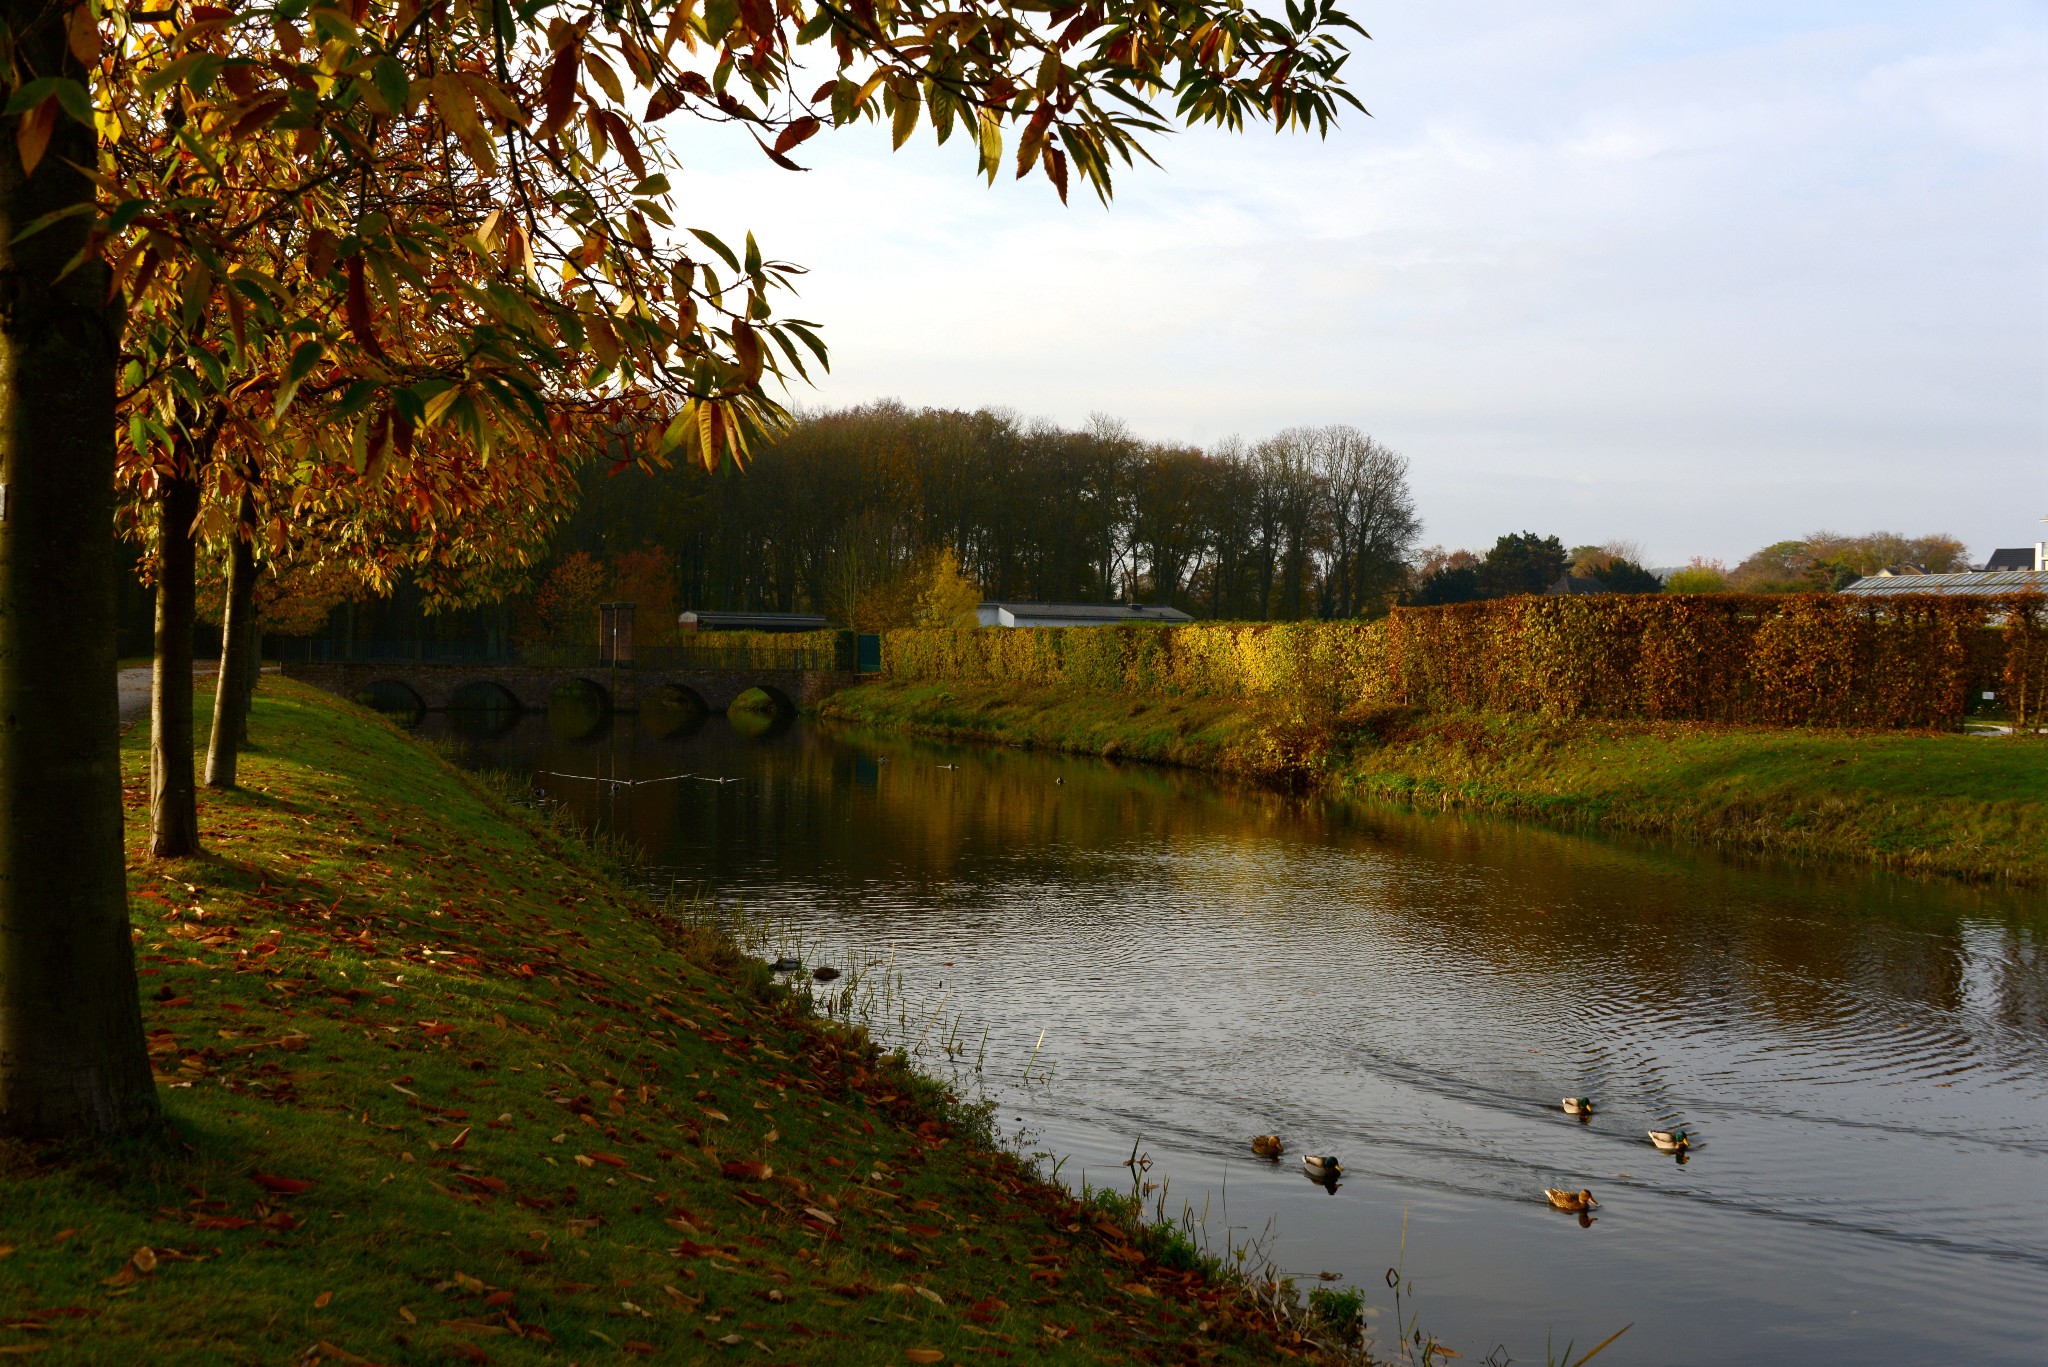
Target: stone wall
{"type": "Point", "coordinates": [436, 685]}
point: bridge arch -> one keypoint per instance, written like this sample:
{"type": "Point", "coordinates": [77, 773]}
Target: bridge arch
{"type": "Point", "coordinates": [672, 709]}
{"type": "Point", "coordinates": [578, 709]}
{"type": "Point", "coordinates": [778, 701]}
{"type": "Point", "coordinates": [393, 697]}
{"type": "Point", "coordinates": [483, 707]}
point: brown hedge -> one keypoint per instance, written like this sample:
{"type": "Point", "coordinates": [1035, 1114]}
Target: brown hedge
{"type": "Point", "coordinates": [1785, 660]}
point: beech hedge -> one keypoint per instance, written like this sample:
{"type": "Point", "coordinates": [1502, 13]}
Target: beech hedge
{"type": "Point", "coordinates": [1781, 660]}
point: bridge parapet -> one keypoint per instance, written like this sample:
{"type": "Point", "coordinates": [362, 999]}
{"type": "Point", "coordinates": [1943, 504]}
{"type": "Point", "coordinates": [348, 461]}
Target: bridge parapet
{"type": "Point", "coordinates": [531, 686]}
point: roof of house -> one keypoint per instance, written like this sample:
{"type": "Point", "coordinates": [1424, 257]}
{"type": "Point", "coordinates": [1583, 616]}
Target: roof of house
{"type": "Point", "coordinates": [2011, 558]}
{"type": "Point", "coordinates": [1976, 585]}
{"type": "Point", "coordinates": [1089, 614]}
{"type": "Point", "coordinates": [1571, 583]}
{"type": "Point", "coordinates": [752, 621]}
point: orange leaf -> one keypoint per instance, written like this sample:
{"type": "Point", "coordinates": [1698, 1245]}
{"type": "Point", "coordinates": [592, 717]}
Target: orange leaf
{"type": "Point", "coordinates": [84, 33]}
{"type": "Point", "coordinates": [286, 1186]}
{"type": "Point", "coordinates": [321, 1301]}
{"type": "Point", "coordinates": [32, 134]}
{"type": "Point", "coordinates": [796, 133]}
{"type": "Point", "coordinates": [359, 309]}
{"type": "Point", "coordinates": [924, 1355]}
{"type": "Point", "coordinates": [665, 101]}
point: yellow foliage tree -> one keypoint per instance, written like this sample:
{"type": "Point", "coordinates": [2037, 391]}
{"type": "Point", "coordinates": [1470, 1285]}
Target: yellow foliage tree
{"type": "Point", "coordinates": [949, 597]}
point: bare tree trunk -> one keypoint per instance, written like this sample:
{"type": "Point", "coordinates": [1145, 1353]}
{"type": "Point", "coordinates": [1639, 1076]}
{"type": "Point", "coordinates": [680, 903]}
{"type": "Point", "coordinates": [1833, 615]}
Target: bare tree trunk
{"type": "Point", "coordinates": [173, 801]}
{"type": "Point", "coordinates": [255, 675]}
{"type": "Point", "coordinates": [235, 681]}
{"type": "Point", "coordinates": [72, 1062]}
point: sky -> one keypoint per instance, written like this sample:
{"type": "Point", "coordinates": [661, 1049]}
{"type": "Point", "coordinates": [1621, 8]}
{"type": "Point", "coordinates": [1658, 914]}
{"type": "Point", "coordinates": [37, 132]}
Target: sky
{"type": "Point", "coordinates": [1697, 276]}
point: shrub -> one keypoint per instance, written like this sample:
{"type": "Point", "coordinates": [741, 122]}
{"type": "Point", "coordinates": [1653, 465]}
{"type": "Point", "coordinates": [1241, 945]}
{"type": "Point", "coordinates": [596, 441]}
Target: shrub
{"type": "Point", "coordinates": [1788, 660]}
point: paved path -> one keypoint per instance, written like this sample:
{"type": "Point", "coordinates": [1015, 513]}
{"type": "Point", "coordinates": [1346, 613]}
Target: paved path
{"type": "Point", "coordinates": [135, 691]}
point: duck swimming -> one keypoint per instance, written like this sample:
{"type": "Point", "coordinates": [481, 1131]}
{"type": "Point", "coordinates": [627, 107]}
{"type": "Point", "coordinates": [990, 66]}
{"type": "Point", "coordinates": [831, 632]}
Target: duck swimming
{"type": "Point", "coordinates": [1322, 1167]}
{"type": "Point", "coordinates": [1578, 1105]}
{"type": "Point", "coordinates": [1577, 1202]}
{"type": "Point", "coordinates": [1268, 1145]}
{"type": "Point", "coordinates": [1671, 1141]}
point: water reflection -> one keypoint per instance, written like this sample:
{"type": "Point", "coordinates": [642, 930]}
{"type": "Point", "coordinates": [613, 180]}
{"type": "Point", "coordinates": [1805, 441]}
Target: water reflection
{"type": "Point", "coordinates": [1864, 1062]}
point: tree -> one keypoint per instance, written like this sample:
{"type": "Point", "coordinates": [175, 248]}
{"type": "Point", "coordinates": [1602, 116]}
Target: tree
{"type": "Point", "coordinates": [949, 598]}
{"type": "Point", "coordinates": [1524, 563]}
{"type": "Point", "coordinates": [1373, 522]}
{"type": "Point", "coordinates": [71, 1048]}
{"type": "Point", "coordinates": [1448, 584]}
{"type": "Point", "coordinates": [1823, 561]}
{"type": "Point", "coordinates": [1626, 576]}
{"type": "Point", "coordinates": [1700, 576]}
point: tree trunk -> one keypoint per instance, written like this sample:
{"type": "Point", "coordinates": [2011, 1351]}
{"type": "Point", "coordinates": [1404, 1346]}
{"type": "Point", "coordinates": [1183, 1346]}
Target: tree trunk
{"type": "Point", "coordinates": [255, 675]}
{"type": "Point", "coordinates": [72, 1062]}
{"type": "Point", "coordinates": [173, 801]}
{"type": "Point", "coordinates": [233, 685]}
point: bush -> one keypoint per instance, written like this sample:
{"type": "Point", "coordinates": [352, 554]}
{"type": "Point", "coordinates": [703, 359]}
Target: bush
{"type": "Point", "coordinates": [1787, 660]}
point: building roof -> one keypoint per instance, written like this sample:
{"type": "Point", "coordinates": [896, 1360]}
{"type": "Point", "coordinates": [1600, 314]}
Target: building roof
{"type": "Point", "coordinates": [1571, 583]}
{"type": "Point", "coordinates": [2011, 558]}
{"type": "Point", "coordinates": [1974, 585]}
{"type": "Point", "coordinates": [752, 621]}
{"type": "Point", "coordinates": [1077, 614]}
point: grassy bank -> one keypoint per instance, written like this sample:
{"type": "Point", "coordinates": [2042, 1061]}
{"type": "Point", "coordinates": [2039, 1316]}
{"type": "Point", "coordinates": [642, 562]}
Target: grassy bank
{"type": "Point", "coordinates": [1967, 807]}
{"type": "Point", "coordinates": [440, 1092]}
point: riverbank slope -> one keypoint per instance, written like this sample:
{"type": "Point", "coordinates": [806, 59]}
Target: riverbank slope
{"type": "Point", "coordinates": [1945, 805]}
{"type": "Point", "coordinates": [439, 1091]}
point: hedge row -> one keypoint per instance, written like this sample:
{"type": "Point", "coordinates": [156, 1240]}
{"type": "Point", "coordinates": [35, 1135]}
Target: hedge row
{"type": "Point", "coordinates": [1797, 660]}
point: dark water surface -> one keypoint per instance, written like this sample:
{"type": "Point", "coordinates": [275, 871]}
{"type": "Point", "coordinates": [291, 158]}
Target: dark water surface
{"type": "Point", "coordinates": [1865, 1060]}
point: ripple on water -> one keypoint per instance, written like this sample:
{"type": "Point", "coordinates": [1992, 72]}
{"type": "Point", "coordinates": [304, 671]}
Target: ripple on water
{"type": "Point", "coordinates": [1866, 1063]}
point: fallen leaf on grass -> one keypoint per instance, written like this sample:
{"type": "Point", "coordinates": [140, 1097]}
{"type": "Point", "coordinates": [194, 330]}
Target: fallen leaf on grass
{"type": "Point", "coordinates": [924, 1355]}
{"type": "Point", "coordinates": [283, 1186]}
{"type": "Point", "coordinates": [740, 1170]}
{"type": "Point", "coordinates": [906, 1289]}
{"type": "Point", "coordinates": [985, 1312]}
{"type": "Point", "coordinates": [323, 1300]}
{"type": "Point", "coordinates": [474, 1327]}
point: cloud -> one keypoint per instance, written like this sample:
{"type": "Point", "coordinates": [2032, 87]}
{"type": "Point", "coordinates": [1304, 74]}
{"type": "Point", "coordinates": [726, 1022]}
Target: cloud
{"type": "Point", "coordinates": [1696, 276]}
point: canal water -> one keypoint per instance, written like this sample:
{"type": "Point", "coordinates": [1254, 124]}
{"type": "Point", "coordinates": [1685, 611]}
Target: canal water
{"type": "Point", "coordinates": [1139, 957]}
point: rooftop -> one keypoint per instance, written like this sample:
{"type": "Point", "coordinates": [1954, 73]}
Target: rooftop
{"type": "Point", "coordinates": [1011, 614]}
{"type": "Point", "coordinates": [1978, 584]}
{"type": "Point", "coordinates": [752, 621]}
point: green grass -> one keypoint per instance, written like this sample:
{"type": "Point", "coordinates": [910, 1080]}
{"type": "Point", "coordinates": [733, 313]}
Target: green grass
{"type": "Point", "coordinates": [1948, 805]}
{"type": "Point", "coordinates": [439, 1091]}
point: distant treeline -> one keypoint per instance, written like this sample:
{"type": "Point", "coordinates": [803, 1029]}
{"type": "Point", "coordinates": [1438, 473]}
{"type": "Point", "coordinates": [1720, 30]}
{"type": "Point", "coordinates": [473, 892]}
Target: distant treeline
{"type": "Point", "coordinates": [846, 514]}
{"type": "Point", "coordinates": [885, 516]}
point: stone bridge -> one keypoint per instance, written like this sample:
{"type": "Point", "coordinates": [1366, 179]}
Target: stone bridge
{"type": "Point", "coordinates": [530, 687]}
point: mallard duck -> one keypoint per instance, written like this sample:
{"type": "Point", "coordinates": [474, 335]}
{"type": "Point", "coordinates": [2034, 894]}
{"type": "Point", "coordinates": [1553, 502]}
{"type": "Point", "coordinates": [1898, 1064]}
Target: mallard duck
{"type": "Point", "coordinates": [824, 973]}
{"type": "Point", "coordinates": [1578, 1105]}
{"type": "Point", "coordinates": [1577, 1202]}
{"type": "Point", "coordinates": [1268, 1145]}
{"type": "Point", "coordinates": [785, 964]}
{"type": "Point", "coordinates": [1671, 1141]}
{"type": "Point", "coordinates": [1323, 1167]}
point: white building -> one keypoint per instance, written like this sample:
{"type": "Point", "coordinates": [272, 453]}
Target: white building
{"type": "Point", "coordinates": [1074, 614]}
